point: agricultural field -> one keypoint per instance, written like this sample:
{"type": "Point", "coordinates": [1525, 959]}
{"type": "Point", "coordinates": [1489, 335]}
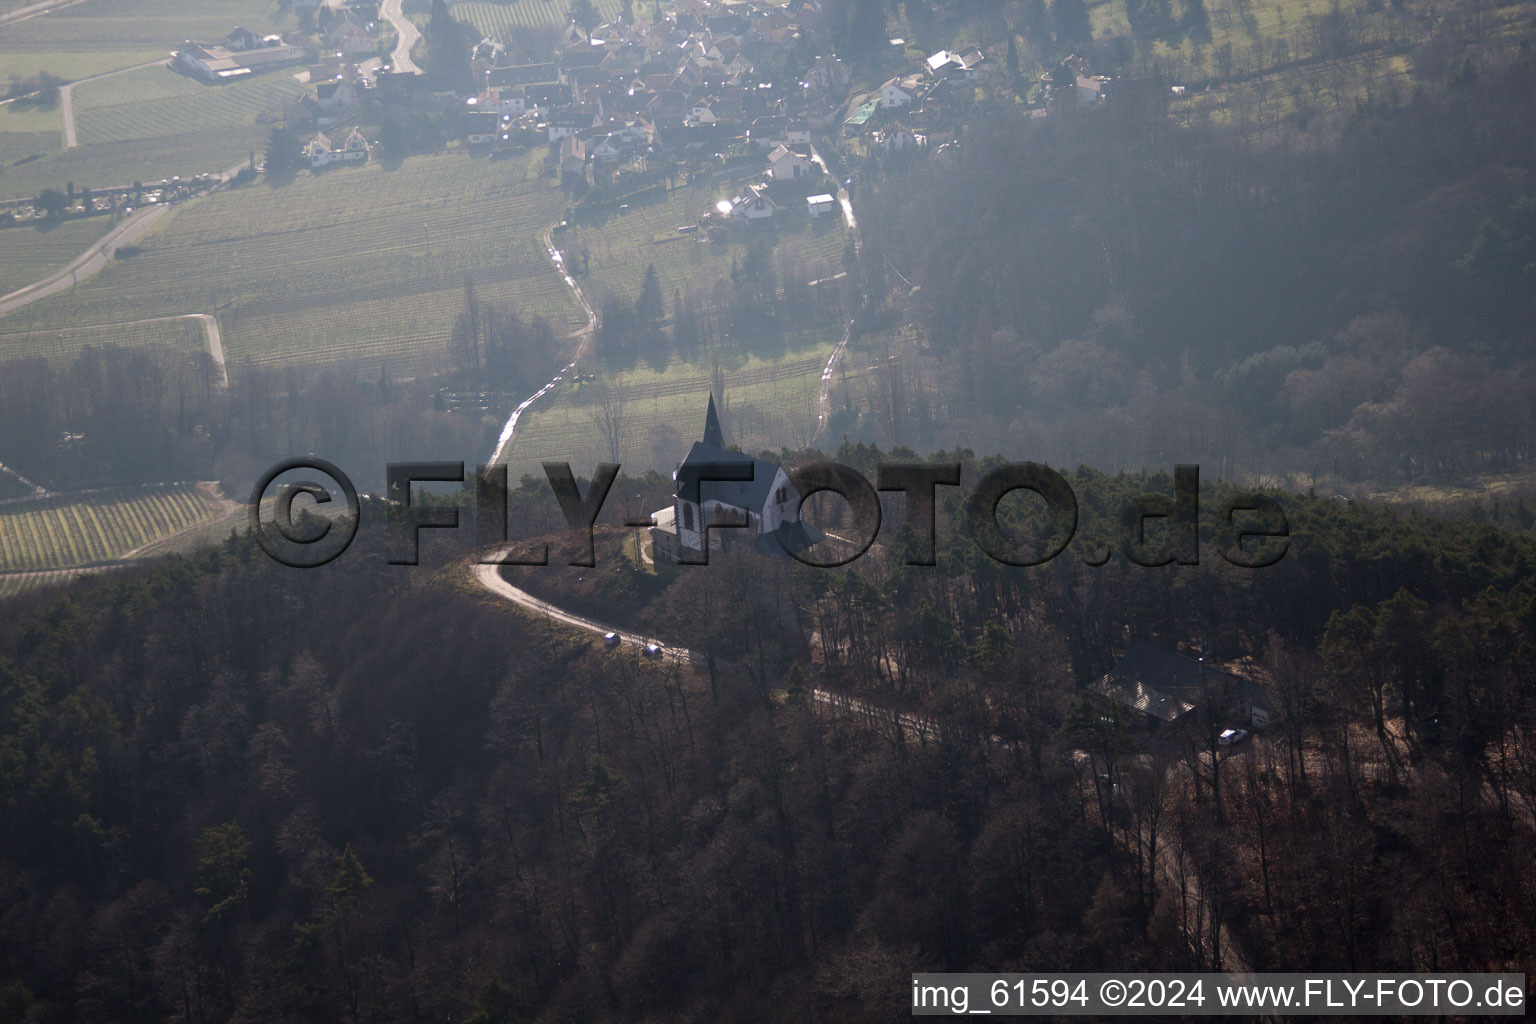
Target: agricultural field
{"type": "Point", "coordinates": [122, 163]}
{"type": "Point", "coordinates": [132, 26]}
{"type": "Point", "coordinates": [620, 248]}
{"type": "Point", "coordinates": [71, 67]}
{"type": "Point", "coordinates": [155, 101]}
{"type": "Point", "coordinates": [768, 404]}
{"type": "Point", "coordinates": [29, 254]}
{"type": "Point", "coordinates": [184, 336]}
{"type": "Point", "coordinates": [357, 263]}
{"type": "Point", "coordinates": [65, 531]}
{"type": "Point", "coordinates": [500, 20]}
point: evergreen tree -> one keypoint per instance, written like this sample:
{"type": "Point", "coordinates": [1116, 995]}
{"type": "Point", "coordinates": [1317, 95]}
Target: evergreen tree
{"type": "Point", "coordinates": [648, 307]}
{"type": "Point", "coordinates": [284, 153]}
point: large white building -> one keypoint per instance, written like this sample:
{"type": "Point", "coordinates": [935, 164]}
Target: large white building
{"type": "Point", "coordinates": [764, 508]}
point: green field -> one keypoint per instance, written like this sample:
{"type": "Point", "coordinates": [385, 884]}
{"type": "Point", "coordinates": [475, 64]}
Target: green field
{"type": "Point", "coordinates": [30, 119]}
{"type": "Point", "coordinates": [184, 336]}
{"type": "Point", "coordinates": [29, 254]}
{"type": "Point", "coordinates": [357, 263]}
{"type": "Point", "coordinates": [769, 404]}
{"type": "Point", "coordinates": [71, 67]}
{"type": "Point", "coordinates": [65, 531]}
{"type": "Point", "coordinates": [156, 101]}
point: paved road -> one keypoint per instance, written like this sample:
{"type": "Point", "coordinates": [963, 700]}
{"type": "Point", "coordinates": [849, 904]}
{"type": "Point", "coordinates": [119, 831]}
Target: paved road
{"type": "Point", "coordinates": [406, 34]}
{"type": "Point", "coordinates": [491, 579]}
{"type": "Point", "coordinates": [89, 263]}
{"type": "Point", "coordinates": [67, 97]}
{"type": "Point", "coordinates": [842, 197]}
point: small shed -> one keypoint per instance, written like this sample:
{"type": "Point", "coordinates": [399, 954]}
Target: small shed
{"type": "Point", "coordinates": [818, 205]}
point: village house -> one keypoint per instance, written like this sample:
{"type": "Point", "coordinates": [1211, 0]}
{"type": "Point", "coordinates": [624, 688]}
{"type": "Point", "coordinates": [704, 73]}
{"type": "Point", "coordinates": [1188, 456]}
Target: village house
{"type": "Point", "coordinates": [573, 157]}
{"type": "Point", "coordinates": [1163, 686]}
{"type": "Point", "coordinates": [481, 127]}
{"type": "Point", "coordinates": [764, 506]}
{"type": "Point", "coordinates": [349, 37]}
{"type": "Point", "coordinates": [609, 150]}
{"type": "Point", "coordinates": [335, 96]}
{"type": "Point", "coordinates": [321, 153]}
{"type": "Point", "coordinates": [784, 164]}
{"type": "Point", "coordinates": [752, 205]}
{"type": "Point", "coordinates": [895, 138]}
{"type": "Point", "coordinates": [522, 74]}
{"type": "Point", "coordinates": [900, 91]}
{"type": "Point", "coordinates": [242, 39]}
{"type": "Point", "coordinates": [963, 66]}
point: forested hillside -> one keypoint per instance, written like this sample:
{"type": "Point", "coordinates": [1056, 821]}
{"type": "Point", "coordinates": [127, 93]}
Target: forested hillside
{"type": "Point", "coordinates": [1350, 303]}
{"type": "Point", "coordinates": [239, 791]}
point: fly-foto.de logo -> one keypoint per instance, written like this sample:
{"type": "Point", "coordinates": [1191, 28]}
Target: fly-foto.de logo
{"type": "Point", "coordinates": [724, 497]}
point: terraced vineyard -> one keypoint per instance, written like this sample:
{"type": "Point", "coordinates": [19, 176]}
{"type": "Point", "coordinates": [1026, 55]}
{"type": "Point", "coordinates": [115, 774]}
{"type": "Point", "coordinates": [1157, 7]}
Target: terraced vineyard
{"type": "Point", "coordinates": [354, 264]}
{"type": "Point", "coordinates": [500, 20]}
{"type": "Point", "coordinates": [29, 254]}
{"type": "Point", "coordinates": [183, 336]}
{"type": "Point", "coordinates": [121, 163]}
{"type": "Point", "coordinates": [65, 531]}
{"type": "Point", "coordinates": [156, 101]}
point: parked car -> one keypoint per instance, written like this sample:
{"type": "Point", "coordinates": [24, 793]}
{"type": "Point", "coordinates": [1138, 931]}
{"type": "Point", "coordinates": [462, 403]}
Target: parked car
{"type": "Point", "coordinates": [611, 639]}
{"type": "Point", "coordinates": [653, 650]}
{"type": "Point", "coordinates": [1232, 737]}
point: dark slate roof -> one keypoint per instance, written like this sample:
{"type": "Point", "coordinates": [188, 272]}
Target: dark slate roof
{"type": "Point", "coordinates": [1163, 684]}
{"type": "Point", "coordinates": [796, 535]}
{"type": "Point", "coordinates": [522, 74]}
{"type": "Point", "coordinates": [708, 460]}
{"type": "Point", "coordinates": [713, 433]}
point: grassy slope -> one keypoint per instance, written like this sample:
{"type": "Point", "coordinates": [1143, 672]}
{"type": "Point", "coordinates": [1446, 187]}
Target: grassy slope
{"type": "Point", "coordinates": [355, 263]}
